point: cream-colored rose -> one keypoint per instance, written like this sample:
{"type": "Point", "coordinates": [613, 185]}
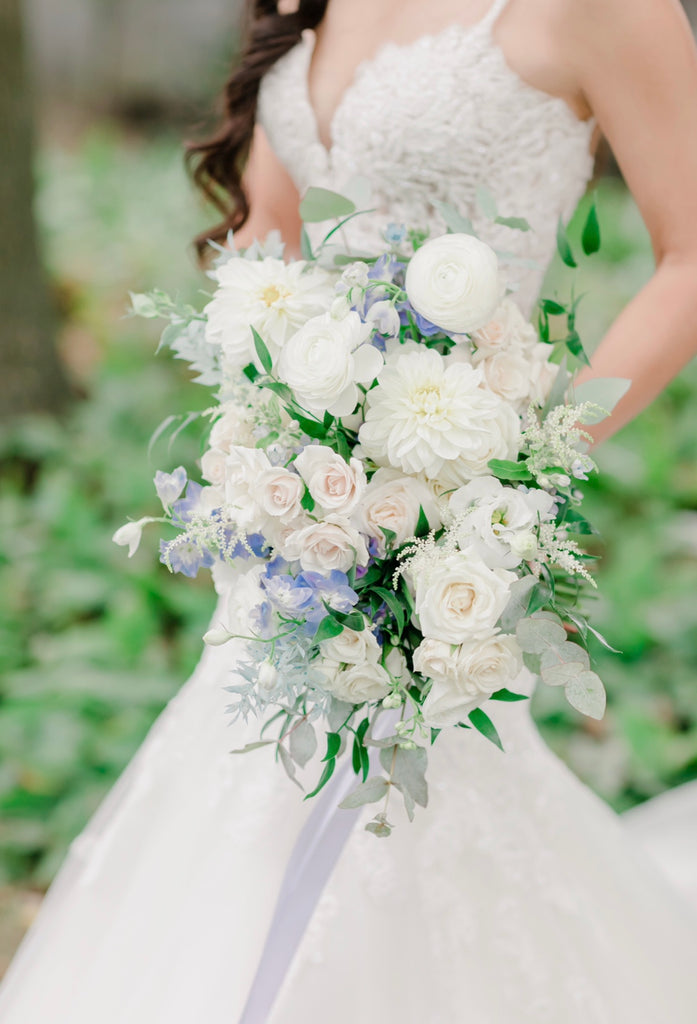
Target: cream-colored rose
{"type": "Point", "coordinates": [359, 683]}
{"type": "Point", "coordinates": [335, 485]}
{"type": "Point", "coordinates": [231, 429]}
{"type": "Point", "coordinates": [392, 502]}
{"type": "Point", "coordinates": [351, 647]}
{"type": "Point", "coordinates": [325, 361]}
{"type": "Point", "coordinates": [508, 327]}
{"type": "Point", "coordinates": [213, 466]}
{"type": "Point", "coordinates": [453, 281]}
{"type": "Point", "coordinates": [279, 492]}
{"type": "Point", "coordinates": [482, 668]}
{"type": "Point", "coordinates": [330, 544]}
{"type": "Point", "coordinates": [436, 660]}
{"type": "Point", "coordinates": [461, 599]}
{"type": "Point", "coordinates": [508, 374]}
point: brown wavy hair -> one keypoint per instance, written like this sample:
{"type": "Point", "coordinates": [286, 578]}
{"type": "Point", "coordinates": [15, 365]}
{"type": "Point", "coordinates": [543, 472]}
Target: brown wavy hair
{"type": "Point", "coordinates": [217, 163]}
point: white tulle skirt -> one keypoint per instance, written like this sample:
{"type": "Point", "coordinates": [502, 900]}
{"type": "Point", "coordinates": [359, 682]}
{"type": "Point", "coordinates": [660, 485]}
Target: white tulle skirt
{"type": "Point", "coordinates": [517, 896]}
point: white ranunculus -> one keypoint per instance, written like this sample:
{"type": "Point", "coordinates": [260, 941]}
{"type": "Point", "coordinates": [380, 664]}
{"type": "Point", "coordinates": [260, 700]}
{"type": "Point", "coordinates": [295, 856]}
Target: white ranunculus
{"type": "Point", "coordinates": [231, 429]}
{"type": "Point", "coordinates": [508, 327]}
{"type": "Point", "coordinates": [243, 467]}
{"type": "Point", "coordinates": [482, 668]}
{"type": "Point", "coordinates": [359, 683]}
{"type": "Point", "coordinates": [335, 485]}
{"type": "Point", "coordinates": [325, 361]}
{"type": "Point", "coordinates": [351, 647]}
{"type": "Point", "coordinates": [460, 599]}
{"type": "Point", "coordinates": [453, 281]}
{"type": "Point", "coordinates": [330, 544]}
{"type": "Point", "coordinates": [391, 502]}
{"type": "Point", "coordinates": [279, 492]}
{"type": "Point", "coordinates": [426, 416]}
{"type": "Point", "coordinates": [274, 297]}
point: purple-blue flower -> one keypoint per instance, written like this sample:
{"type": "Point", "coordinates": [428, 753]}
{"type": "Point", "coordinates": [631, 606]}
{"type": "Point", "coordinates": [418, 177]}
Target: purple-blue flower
{"type": "Point", "coordinates": [185, 557]}
{"type": "Point", "coordinates": [170, 485]}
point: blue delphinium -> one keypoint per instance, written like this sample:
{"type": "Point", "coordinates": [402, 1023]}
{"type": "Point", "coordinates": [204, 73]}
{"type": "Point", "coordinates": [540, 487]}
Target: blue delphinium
{"type": "Point", "coordinates": [185, 556]}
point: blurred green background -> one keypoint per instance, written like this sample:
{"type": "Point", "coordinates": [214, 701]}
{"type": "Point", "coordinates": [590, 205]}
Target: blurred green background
{"type": "Point", "coordinates": [92, 645]}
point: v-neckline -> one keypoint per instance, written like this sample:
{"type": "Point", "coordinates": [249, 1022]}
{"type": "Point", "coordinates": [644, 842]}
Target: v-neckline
{"type": "Point", "coordinates": [372, 61]}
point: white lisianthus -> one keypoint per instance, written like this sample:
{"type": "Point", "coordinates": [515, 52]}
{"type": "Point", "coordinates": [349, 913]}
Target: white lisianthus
{"type": "Point", "coordinates": [500, 519]}
{"type": "Point", "coordinates": [460, 599]}
{"type": "Point", "coordinates": [335, 485]}
{"type": "Point", "coordinates": [426, 416]}
{"type": "Point", "coordinates": [508, 327]}
{"type": "Point", "coordinates": [355, 685]}
{"type": "Point", "coordinates": [482, 668]}
{"type": "Point", "coordinates": [330, 544]}
{"type": "Point", "coordinates": [325, 361]}
{"type": "Point", "coordinates": [351, 647]}
{"type": "Point", "coordinates": [274, 297]}
{"type": "Point", "coordinates": [453, 281]}
{"type": "Point", "coordinates": [391, 502]}
{"type": "Point", "coordinates": [278, 492]}
{"type": "Point", "coordinates": [243, 467]}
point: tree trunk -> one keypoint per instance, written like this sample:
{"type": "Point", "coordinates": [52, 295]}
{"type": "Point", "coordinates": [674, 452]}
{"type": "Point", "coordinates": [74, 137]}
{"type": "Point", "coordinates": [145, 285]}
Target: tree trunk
{"type": "Point", "coordinates": [31, 376]}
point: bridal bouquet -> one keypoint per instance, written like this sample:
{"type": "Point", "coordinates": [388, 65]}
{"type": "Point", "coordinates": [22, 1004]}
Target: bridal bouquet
{"type": "Point", "coordinates": [392, 484]}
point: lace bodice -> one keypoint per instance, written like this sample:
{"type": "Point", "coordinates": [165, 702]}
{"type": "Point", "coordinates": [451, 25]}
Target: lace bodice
{"type": "Point", "coordinates": [432, 120]}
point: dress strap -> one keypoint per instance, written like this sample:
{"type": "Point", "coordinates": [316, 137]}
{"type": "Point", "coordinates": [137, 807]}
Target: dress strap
{"type": "Point", "coordinates": [492, 15]}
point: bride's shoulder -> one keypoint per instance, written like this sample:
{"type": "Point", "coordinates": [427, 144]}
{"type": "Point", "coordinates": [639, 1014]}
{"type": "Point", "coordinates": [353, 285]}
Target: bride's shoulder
{"type": "Point", "coordinates": [603, 23]}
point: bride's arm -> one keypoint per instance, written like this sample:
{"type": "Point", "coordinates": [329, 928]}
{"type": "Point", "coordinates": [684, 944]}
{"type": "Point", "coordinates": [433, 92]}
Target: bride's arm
{"type": "Point", "coordinates": [637, 66]}
{"type": "Point", "coordinates": [273, 198]}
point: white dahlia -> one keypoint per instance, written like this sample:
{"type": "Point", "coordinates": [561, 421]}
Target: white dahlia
{"type": "Point", "coordinates": [276, 298]}
{"type": "Point", "coordinates": [426, 416]}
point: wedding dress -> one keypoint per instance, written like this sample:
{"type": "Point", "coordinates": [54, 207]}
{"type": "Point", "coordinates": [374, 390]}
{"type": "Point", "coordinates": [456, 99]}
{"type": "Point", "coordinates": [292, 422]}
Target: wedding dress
{"type": "Point", "coordinates": [517, 897]}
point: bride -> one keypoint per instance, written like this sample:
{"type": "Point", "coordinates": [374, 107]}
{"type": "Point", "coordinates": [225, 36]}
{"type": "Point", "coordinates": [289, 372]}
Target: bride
{"type": "Point", "coordinates": [204, 889]}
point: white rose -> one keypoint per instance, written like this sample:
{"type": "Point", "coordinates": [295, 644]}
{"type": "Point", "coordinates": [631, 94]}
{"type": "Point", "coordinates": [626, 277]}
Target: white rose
{"type": "Point", "coordinates": [461, 599]}
{"type": "Point", "coordinates": [508, 374]}
{"type": "Point", "coordinates": [392, 502]}
{"type": "Point", "coordinates": [243, 467]}
{"type": "Point", "coordinates": [325, 361]}
{"type": "Point", "coordinates": [507, 327]}
{"type": "Point", "coordinates": [327, 545]}
{"type": "Point", "coordinates": [436, 660]}
{"type": "Point", "coordinates": [274, 297]}
{"type": "Point", "coordinates": [359, 683]}
{"type": "Point", "coordinates": [453, 281]}
{"type": "Point", "coordinates": [279, 492]}
{"type": "Point", "coordinates": [482, 669]}
{"type": "Point", "coordinates": [351, 647]}
{"type": "Point", "coordinates": [231, 429]}
{"type": "Point", "coordinates": [213, 466]}
{"type": "Point", "coordinates": [335, 485]}
{"type": "Point", "coordinates": [426, 416]}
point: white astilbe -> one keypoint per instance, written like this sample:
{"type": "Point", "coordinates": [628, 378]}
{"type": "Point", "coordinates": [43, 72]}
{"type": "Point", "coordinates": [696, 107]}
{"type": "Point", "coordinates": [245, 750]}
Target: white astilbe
{"type": "Point", "coordinates": [560, 550]}
{"type": "Point", "coordinates": [558, 442]}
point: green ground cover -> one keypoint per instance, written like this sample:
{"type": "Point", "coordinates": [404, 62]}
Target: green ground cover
{"type": "Point", "coordinates": [93, 645]}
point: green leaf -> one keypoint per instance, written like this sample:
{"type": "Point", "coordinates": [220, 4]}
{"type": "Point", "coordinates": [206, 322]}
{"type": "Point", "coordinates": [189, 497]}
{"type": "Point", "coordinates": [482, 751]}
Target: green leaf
{"type": "Point", "coordinates": [575, 346]}
{"type": "Point", "coordinates": [394, 604]}
{"type": "Point", "coordinates": [564, 247]}
{"type": "Point", "coordinates": [486, 202]}
{"type": "Point", "coordinates": [333, 745]}
{"type": "Point", "coordinates": [320, 204]}
{"type": "Point", "coordinates": [422, 526]}
{"type": "Point", "coordinates": [369, 792]}
{"type": "Point", "coordinates": [590, 238]}
{"type": "Point", "coordinates": [302, 742]}
{"type": "Point", "coordinates": [586, 693]}
{"type": "Point", "coordinates": [483, 724]}
{"type": "Point", "coordinates": [324, 779]}
{"type": "Point", "coordinates": [305, 245]}
{"type": "Point", "coordinates": [454, 220]}
{"type": "Point", "coordinates": [518, 602]}
{"type": "Point", "coordinates": [327, 629]}
{"type": "Point", "coordinates": [605, 392]}
{"type": "Point", "coordinates": [262, 351]}
{"type": "Point", "coordinates": [539, 632]}
{"type": "Point", "coordinates": [408, 771]}
{"type": "Point", "coordinates": [254, 746]}
{"type": "Point", "coordinates": [505, 469]}
{"type": "Point", "coordinates": [560, 665]}
{"type": "Point", "coordinates": [517, 223]}
{"type": "Point", "coordinates": [552, 308]}
{"type": "Point", "coordinates": [307, 501]}
{"type": "Point", "coordinates": [287, 762]}
{"type": "Point", "coordinates": [365, 762]}
{"type": "Point", "coordinates": [313, 428]}
{"type": "Point", "coordinates": [508, 697]}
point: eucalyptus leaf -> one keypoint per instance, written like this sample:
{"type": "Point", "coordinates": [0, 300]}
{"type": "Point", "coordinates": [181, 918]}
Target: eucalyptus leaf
{"type": "Point", "coordinates": [302, 742]}
{"type": "Point", "coordinates": [486, 202]}
{"type": "Point", "coordinates": [516, 223]}
{"type": "Point", "coordinates": [320, 204]}
{"type": "Point", "coordinates": [518, 602]}
{"type": "Point", "coordinates": [605, 392]}
{"type": "Point", "coordinates": [587, 694]}
{"type": "Point", "coordinates": [254, 746]}
{"type": "Point", "coordinates": [369, 792]}
{"type": "Point", "coordinates": [454, 220]}
{"type": "Point", "coordinates": [287, 762]}
{"type": "Point", "coordinates": [408, 770]}
{"type": "Point", "coordinates": [566, 653]}
{"type": "Point", "coordinates": [537, 633]}
{"type": "Point", "coordinates": [338, 713]}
